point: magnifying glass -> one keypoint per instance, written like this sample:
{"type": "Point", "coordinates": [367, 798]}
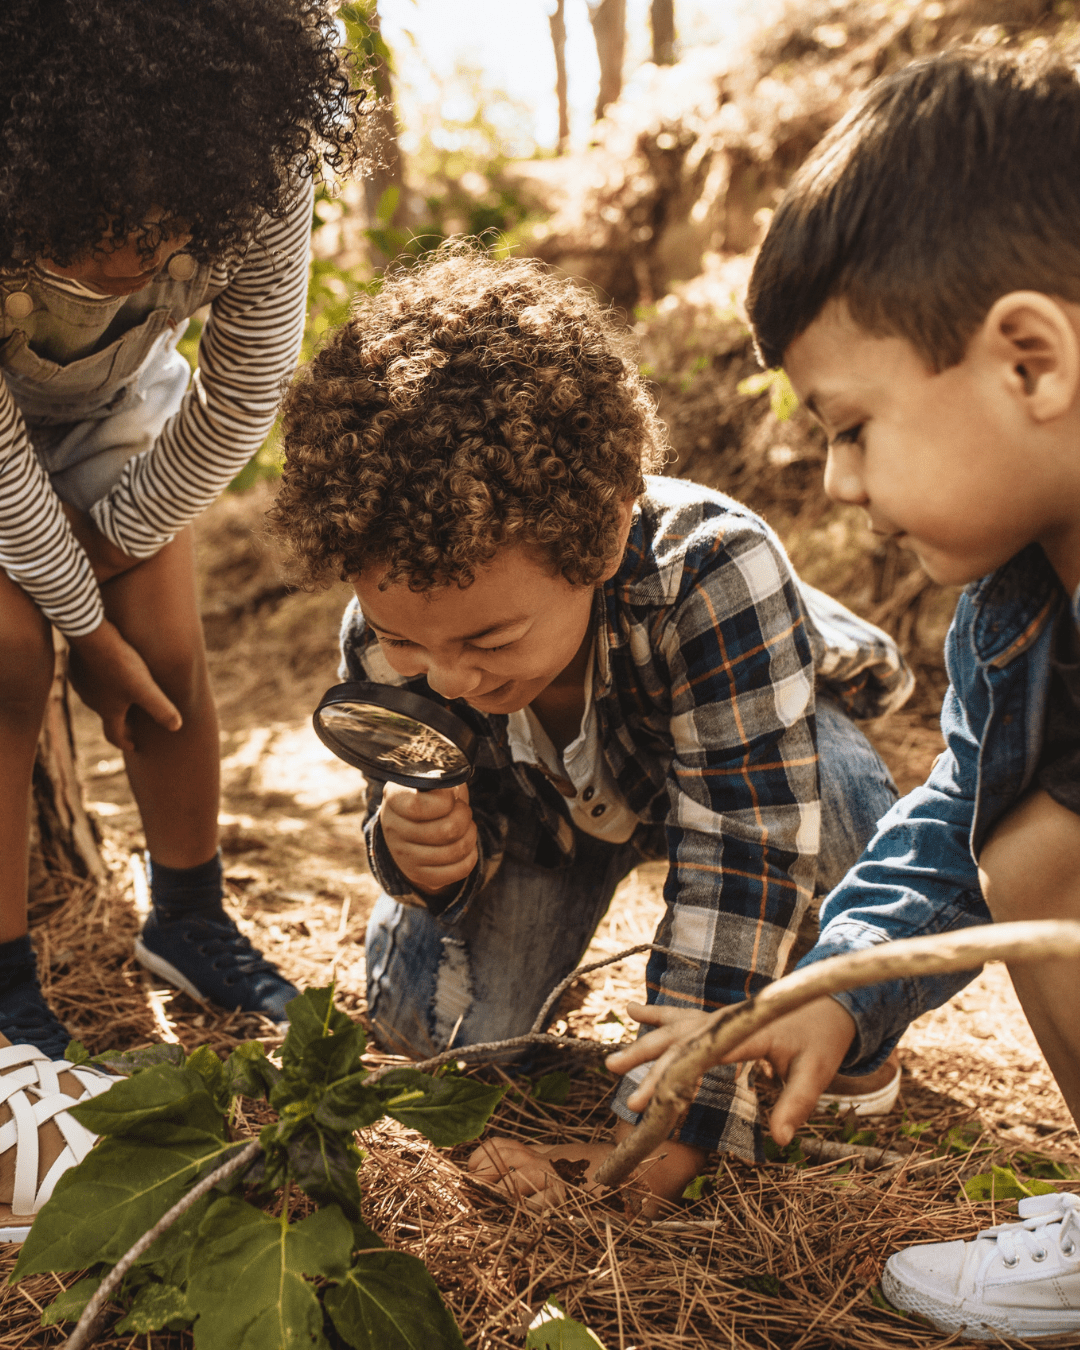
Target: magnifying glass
{"type": "Point", "coordinates": [395, 736]}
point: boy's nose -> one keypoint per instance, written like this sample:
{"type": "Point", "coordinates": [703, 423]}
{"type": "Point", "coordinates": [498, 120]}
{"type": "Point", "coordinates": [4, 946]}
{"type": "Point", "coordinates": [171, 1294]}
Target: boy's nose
{"type": "Point", "coordinates": [843, 481]}
{"type": "Point", "coordinates": [452, 681]}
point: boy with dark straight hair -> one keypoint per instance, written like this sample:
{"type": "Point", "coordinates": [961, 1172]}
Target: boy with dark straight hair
{"type": "Point", "coordinates": [920, 283]}
{"type": "Point", "coordinates": [634, 654]}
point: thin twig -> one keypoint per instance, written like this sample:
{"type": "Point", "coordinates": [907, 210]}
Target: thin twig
{"type": "Point", "coordinates": [488, 1048]}
{"type": "Point", "coordinates": [685, 1061]}
{"type": "Point", "coordinates": [87, 1327]}
{"type": "Point", "coordinates": [557, 992]}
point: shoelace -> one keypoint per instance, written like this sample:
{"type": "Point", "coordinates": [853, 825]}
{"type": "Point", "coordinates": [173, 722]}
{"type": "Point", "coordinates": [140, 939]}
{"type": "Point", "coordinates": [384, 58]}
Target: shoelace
{"type": "Point", "coordinates": [1033, 1234]}
{"type": "Point", "coordinates": [222, 940]}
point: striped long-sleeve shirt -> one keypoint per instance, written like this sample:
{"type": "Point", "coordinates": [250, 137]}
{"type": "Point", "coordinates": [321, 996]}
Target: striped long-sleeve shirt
{"type": "Point", "coordinates": [247, 348]}
{"type": "Point", "coordinates": [708, 649]}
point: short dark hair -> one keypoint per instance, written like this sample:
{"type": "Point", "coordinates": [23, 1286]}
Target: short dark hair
{"type": "Point", "coordinates": [469, 404]}
{"type": "Point", "coordinates": [209, 111]}
{"type": "Point", "coordinates": [952, 182]}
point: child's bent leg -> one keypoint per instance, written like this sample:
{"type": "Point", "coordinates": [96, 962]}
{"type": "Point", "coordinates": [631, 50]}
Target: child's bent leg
{"type": "Point", "coordinates": [26, 670]}
{"type": "Point", "coordinates": [487, 977]}
{"type": "Point", "coordinates": [1030, 869]}
{"type": "Point", "coordinates": [175, 776]}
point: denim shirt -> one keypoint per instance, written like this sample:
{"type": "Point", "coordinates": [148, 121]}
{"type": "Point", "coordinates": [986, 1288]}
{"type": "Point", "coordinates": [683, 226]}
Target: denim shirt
{"type": "Point", "coordinates": [919, 874]}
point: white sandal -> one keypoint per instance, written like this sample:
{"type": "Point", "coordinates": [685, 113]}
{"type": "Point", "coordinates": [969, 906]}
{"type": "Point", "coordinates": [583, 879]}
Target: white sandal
{"type": "Point", "coordinates": [39, 1139]}
{"type": "Point", "coordinates": [879, 1101]}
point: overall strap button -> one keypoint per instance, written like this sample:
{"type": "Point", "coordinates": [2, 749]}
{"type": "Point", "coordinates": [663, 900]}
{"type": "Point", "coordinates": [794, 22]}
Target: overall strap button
{"type": "Point", "coordinates": [182, 267]}
{"type": "Point", "coordinates": [19, 305]}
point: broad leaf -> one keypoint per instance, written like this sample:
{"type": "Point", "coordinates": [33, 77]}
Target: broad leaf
{"type": "Point", "coordinates": [445, 1110]}
{"type": "Point", "coordinates": [210, 1069]}
{"type": "Point", "coordinates": [130, 1062]}
{"type": "Point", "coordinates": [168, 1257]}
{"type": "Point", "coordinates": [334, 1057]}
{"type": "Point", "coordinates": [68, 1306]}
{"type": "Point", "coordinates": [553, 1087]}
{"type": "Point", "coordinates": [312, 1016]}
{"type": "Point", "coordinates": [161, 1093]}
{"type": "Point", "coordinates": [76, 1053]}
{"type": "Point", "coordinates": [247, 1280]}
{"type": "Point", "coordinates": [349, 1105]}
{"type": "Point", "coordinates": [116, 1194]}
{"type": "Point", "coordinates": [249, 1073]}
{"type": "Point", "coordinates": [324, 1167]}
{"type": "Point", "coordinates": [1002, 1183]}
{"type": "Point", "coordinates": [157, 1307]}
{"type": "Point", "coordinates": [388, 1301]}
{"type": "Point", "coordinates": [551, 1329]}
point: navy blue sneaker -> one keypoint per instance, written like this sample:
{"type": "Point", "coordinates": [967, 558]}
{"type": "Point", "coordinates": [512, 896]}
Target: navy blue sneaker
{"type": "Point", "coordinates": [26, 1019]}
{"type": "Point", "coordinates": [209, 958]}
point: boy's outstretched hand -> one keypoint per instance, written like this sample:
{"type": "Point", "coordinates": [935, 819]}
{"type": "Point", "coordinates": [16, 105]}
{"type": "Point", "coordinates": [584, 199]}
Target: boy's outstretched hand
{"type": "Point", "coordinates": [111, 677]}
{"type": "Point", "coordinates": [431, 835]}
{"type": "Point", "coordinates": [805, 1048]}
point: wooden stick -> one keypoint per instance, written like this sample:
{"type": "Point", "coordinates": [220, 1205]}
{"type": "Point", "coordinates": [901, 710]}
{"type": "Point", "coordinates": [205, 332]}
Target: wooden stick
{"type": "Point", "coordinates": [727, 1028]}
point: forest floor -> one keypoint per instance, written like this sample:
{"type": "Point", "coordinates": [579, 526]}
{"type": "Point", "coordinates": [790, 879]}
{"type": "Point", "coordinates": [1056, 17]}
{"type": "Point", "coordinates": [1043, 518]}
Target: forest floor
{"type": "Point", "coordinates": [774, 1256]}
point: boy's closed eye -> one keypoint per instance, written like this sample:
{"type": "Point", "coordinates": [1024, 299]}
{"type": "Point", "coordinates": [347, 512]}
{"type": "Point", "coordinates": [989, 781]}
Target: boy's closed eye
{"type": "Point", "coordinates": [404, 642]}
{"type": "Point", "coordinates": [851, 436]}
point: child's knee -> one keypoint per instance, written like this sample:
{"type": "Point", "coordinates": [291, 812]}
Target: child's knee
{"type": "Point", "coordinates": [1029, 867]}
{"type": "Point", "coordinates": [26, 668]}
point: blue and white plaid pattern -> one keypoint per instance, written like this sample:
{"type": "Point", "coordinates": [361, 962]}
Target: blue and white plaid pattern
{"type": "Point", "coordinates": [708, 649]}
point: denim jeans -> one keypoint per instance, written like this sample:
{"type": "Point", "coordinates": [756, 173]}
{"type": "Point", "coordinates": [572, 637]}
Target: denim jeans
{"type": "Point", "coordinates": [486, 977]}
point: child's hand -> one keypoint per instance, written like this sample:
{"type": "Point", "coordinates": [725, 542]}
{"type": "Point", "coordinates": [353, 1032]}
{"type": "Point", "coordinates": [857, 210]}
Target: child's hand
{"type": "Point", "coordinates": [431, 835]}
{"type": "Point", "coordinates": [111, 677]}
{"type": "Point", "coordinates": [805, 1048]}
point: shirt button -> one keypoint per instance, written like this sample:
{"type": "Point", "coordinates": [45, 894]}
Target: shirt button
{"type": "Point", "coordinates": [19, 305]}
{"type": "Point", "coordinates": [598, 810]}
{"type": "Point", "coordinates": [588, 794]}
{"type": "Point", "coordinates": [182, 267]}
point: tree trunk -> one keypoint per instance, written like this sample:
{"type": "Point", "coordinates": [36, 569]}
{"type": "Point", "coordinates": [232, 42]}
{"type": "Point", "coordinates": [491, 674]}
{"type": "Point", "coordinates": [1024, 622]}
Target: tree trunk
{"type": "Point", "coordinates": [608, 18]}
{"type": "Point", "coordinates": [557, 20]}
{"type": "Point", "coordinates": [662, 20]}
{"type": "Point", "coordinates": [63, 845]}
{"type": "Point", "coordinates": [384, 183]}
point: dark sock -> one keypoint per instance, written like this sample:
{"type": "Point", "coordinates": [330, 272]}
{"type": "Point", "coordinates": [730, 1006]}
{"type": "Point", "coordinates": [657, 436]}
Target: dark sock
{"type": "Point", "coordinates": [180, 891]}
{"type": "Point", "coordinates": [18, 964]}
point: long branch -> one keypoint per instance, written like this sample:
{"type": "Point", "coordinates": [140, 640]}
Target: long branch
{"type": "Point", "coordinates": [556, 993]}
{"type": "Point", "coordinates": [938, 954]}
{"type": "Point", "coordinates": [86, 1328]}
{"type": "Point", "coordinates": [482, 1048]}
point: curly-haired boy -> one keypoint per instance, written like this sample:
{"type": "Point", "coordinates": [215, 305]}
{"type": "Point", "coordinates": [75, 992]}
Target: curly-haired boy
{"type": "Point", "coordinates": [634, 653]}
{"type": "Point", "coordinates": [921, 284]}
{"type": "Point", "coordinates": [158, 158]}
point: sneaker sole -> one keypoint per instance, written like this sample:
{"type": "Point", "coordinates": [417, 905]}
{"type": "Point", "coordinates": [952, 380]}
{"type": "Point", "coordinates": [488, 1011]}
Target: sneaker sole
{"type": "Point", "coordinates": [166, 971]}
{"type": "Point", "coordinates": [972, 1326]}
{"type": "Point", "coordinates": [878, 1103]}
{"type": "Point", "coordinates": [14, 1233]}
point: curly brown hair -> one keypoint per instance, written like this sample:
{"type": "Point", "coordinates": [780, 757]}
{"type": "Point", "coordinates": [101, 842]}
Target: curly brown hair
{"type": "Point", "coordinates": [470, 404]}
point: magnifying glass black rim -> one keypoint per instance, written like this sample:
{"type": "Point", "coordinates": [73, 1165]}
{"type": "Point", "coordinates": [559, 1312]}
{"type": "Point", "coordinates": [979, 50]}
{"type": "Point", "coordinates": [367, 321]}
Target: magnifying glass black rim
{"type": "Point", "coordinates": [403, 701]}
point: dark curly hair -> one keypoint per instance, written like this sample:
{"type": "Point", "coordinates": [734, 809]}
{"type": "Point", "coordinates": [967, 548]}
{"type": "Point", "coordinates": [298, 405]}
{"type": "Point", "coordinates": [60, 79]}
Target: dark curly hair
{"type": "Point", "coordinates": [207, 110]}
{"type": "Point", "coordinates": [472, 403]}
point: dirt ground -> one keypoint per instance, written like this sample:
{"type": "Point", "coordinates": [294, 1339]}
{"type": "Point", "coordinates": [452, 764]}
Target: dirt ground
{"type": "Point", "coordinates": [775, 1256]}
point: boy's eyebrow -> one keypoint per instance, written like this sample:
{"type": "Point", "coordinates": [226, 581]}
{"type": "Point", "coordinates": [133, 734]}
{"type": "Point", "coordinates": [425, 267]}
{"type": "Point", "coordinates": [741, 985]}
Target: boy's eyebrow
{"type": "Point", "coordinates": [468, 637]}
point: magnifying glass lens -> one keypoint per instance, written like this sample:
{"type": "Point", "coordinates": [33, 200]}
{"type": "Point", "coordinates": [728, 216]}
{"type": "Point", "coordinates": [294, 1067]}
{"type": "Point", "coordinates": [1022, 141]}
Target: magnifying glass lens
{"type": "Point", "coordinates": [391, 740]}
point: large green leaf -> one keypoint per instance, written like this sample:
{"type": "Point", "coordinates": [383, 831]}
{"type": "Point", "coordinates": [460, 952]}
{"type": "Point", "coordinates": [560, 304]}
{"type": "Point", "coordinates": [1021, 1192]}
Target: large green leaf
{"type": "Point", "coordinates": [334, 1057]}
{"type": "Point", "coordinates": [211, 1070]}
{"type": "Point", "coordinates": [551, 1329]}
{"type": "Point", "coordinates": [312, 1016]}
{"type": "Point", "coordinates": [445, 1110]}
{"type": "Point", "coordinates": [68, 1306]}
{"type": "Point", "coordinates": [161, 1093]}
{"type": "Point", "coordinates": [247, 1277]}
{"type": "Point", "coordinates": [116, 1194]}
{"type": "Point", "coordinates": [130, 1062]}
{"type": "Point", "coordinates": [388, 1301]}
{"type": "Point", "coordinates": [156, 1307]}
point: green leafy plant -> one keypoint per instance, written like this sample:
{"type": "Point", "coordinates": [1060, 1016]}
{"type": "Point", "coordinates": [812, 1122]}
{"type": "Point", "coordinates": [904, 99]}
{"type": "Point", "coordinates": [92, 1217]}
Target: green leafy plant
{"type": "Point", "coordinates": [245, 1277]}
{"type": "Point", "coordinates": [551, 1329]}
{"type": "Point", "coordinates": [1002, 1183]}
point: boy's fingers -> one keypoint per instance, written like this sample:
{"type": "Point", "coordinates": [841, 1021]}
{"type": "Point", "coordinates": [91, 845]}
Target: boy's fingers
{"type": "Point", "coordinates": [805, 1084]}
{"type": "Point", "coordinates": [419, 806]}
{"type": "Point", "coordinates": [156, 704]}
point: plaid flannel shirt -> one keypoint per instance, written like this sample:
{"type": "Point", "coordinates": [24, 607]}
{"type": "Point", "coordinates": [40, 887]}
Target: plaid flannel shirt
{"type": "Point", "coordinates": [708, 648]}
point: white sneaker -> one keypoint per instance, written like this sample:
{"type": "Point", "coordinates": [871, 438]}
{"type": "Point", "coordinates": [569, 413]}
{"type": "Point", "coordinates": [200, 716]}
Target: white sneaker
{"type": "Point", "coordinates": [1018, 1279]}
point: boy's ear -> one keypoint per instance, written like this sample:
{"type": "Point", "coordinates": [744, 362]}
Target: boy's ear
{"type": "Point", "coordinates": [626, 519]}
{"type": "Point", "coordinates": [1031, 337]}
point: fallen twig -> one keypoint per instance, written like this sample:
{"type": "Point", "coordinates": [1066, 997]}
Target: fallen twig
{"type": "Point", "coordinates": [687, 1060]}
{"type": "Point", "coordinates": [490, 1048]}
{"type": "Point", "coordinates": [556, 993]}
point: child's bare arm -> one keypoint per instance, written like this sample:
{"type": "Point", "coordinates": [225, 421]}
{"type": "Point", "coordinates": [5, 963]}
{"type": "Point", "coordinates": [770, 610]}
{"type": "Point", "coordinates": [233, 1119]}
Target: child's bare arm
{"type": "Point", "coordinates": [806, 1049]}
{"type": "Point", "coordinates": [431, 835]}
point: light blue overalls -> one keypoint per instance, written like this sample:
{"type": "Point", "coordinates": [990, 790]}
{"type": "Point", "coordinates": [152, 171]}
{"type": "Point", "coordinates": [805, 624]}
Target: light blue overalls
{"type": "Point", "coordinates": [97, 379]}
